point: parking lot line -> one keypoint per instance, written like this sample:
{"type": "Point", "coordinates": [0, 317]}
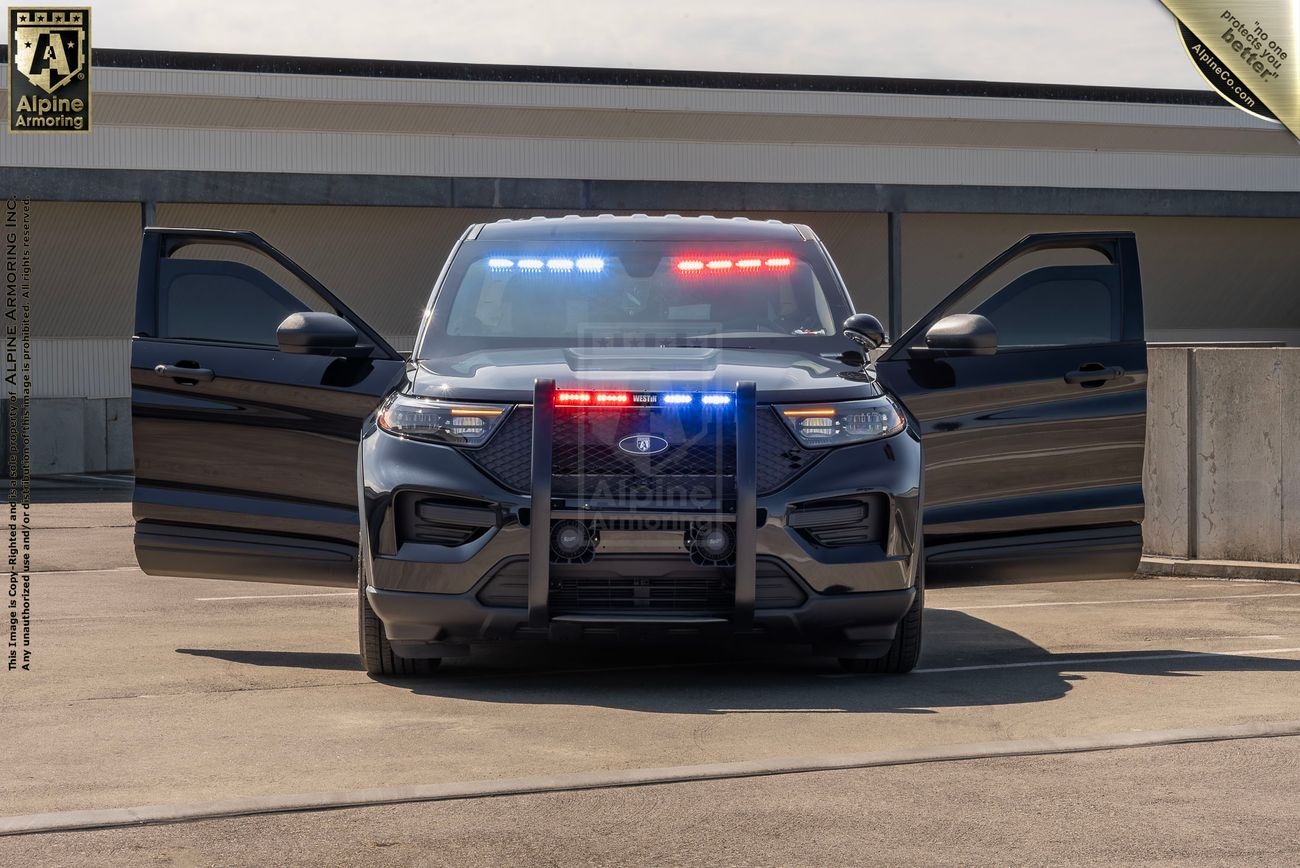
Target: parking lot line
{"type": "Point", "coordinates": [943, 608]}
{"type": "Point", "coordinates": [79, 570]}
{"type": "Point", "coordinates": [1064, 663]}
{"type": "Point", "coordinates": [276, 596]}
{"type": "Point", "coordinates": [66, 821]}
{"type": "Point", "coordinates": [1109, 602]}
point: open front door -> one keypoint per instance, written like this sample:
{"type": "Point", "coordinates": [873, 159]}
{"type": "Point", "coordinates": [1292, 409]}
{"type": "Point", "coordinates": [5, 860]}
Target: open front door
{"type": "Point", "coordinates": [1034, 440]}
{"type": "Point", "coordinates": [245, 454]}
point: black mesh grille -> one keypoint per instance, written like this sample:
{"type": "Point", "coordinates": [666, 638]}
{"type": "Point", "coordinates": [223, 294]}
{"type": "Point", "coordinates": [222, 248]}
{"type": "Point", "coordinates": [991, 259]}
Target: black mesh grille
{"type": "Point", "coordinates": [712, 594]}
{"type": "Point", "coordinates": [586, 458]}
{"type": "Point", "coordinates": [642, 584]}
{"type": "Point", "coordinates": [780, 457]}
{"type": "Point", "coordinates": [507, 457]}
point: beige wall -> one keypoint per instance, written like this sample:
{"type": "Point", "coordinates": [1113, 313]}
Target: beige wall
{"type": "Point", "coordinates": [1211, 278]}
{"type": "Point", "coordinates": [1203, 278]}
{"type": "Point", "coordinates": [84, 262]}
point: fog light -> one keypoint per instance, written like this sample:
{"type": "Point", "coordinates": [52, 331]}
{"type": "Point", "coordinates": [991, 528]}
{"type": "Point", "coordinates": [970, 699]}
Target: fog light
{"type": "Point", "coordinates": [711, 543]}
{"type": "Point", "coordinates": [572, 541]}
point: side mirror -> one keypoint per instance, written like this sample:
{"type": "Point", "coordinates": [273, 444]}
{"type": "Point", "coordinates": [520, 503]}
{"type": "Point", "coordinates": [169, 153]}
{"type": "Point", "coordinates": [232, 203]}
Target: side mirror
{"type": "Point", "coordinates": [963, 334]}
{"type": "Point", "coordinates": [864, 329]}
{"type": "Point", "coordinates": [323, 334]}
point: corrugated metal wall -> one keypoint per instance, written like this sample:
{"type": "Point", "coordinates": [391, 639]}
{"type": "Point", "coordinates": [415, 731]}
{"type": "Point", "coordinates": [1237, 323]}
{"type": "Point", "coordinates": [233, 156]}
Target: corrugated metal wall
{"type": "Point", "coordinates": [81, 367]}
{"type": "Point", "coordinates": [317, 152]}
{"type": "Point", "coordinates": [265, 122]}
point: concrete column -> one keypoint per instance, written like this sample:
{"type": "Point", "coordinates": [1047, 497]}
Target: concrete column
{"type": "Point", "coordinates": [1238, 473]}
{"type": "Point", "coordinates": [895, 242]}
{"type": "Point", "coordinates": [58, 432]}
{"type": "Point", "coordinates": [1290, 447]}
{"type": "Point", "coordinates": [1166, 483]}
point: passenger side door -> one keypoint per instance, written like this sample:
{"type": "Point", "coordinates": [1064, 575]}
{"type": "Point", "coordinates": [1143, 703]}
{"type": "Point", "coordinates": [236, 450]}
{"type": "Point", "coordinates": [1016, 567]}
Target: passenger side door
{"type": "Point", "coordinates": [245, 453]}
{"type": "Point", "coordinates": [1033, 449]}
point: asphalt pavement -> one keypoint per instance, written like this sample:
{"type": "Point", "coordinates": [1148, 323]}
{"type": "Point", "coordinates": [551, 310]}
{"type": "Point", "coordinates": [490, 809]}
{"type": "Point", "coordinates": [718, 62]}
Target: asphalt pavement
{"type": "Point", "coordinates": [163, 691]}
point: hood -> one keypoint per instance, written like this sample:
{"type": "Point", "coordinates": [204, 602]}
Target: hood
{"type": "Point", "coordinates": [508, 374]}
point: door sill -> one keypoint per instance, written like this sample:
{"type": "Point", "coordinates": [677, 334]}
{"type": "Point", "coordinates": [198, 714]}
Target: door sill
{"type": "Point", "coordinates": [209, 553]}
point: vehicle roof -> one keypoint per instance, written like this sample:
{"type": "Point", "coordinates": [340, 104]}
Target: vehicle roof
{"type": "Point", "coordinates": [608, 227]}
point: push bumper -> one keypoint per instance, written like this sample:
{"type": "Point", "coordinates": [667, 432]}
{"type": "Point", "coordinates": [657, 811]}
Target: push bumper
{"type": "Point", "coordinates": [435, 601]}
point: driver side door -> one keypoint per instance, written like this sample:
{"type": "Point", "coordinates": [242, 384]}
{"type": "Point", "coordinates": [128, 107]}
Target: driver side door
{"type": "Point", "coordinates": [1033, 453]}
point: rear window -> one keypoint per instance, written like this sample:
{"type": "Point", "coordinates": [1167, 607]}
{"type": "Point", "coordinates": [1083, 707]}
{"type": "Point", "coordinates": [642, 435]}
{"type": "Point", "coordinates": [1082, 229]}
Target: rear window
{"type": "Point", "coordinates": [666, 292]}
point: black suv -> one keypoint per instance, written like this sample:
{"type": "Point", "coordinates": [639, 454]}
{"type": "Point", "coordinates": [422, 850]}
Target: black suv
{"type": "Point", "coordinates": [638, 428]}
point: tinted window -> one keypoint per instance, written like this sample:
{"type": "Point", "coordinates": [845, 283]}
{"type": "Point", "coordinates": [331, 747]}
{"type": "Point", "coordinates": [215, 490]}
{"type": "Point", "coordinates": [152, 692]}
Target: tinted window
{"type": "Point", "coordinates": [1054, 307]}
{"type": "Point", "coordinates": [227, 302]}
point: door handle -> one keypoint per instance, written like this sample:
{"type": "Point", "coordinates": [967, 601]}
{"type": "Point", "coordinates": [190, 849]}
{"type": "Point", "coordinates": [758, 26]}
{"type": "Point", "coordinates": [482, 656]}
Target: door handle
{"type": "Point", "coordinates": [1093, 374]}
{"type": "Point", "coordinates": [179, 372]}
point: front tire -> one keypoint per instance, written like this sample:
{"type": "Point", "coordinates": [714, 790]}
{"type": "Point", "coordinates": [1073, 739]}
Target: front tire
{"type": "Point", "coordinates": [376, 652]}
{"type": "Point", "coordinates": [904, 651]}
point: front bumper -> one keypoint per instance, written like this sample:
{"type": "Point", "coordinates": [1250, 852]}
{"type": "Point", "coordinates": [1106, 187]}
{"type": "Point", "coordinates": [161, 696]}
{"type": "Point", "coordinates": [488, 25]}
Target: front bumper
{"type": "Point", "coordinates": [444, 625]}
{"type": "Point", "coordinates": [435, 599]}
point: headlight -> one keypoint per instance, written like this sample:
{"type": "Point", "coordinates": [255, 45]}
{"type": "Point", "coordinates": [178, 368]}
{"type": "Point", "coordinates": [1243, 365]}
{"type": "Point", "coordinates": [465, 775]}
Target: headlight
{"type": "Point", "coordinates": [440, 421]}
{"type": "Point", "coordinates": [841, 422]}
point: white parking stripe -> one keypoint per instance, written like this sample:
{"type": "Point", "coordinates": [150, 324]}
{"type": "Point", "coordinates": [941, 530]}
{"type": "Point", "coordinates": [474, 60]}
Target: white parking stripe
{"type": "Point", "coordinates": [565, 782]}
{"type": "Point", "coordinates": [1108, 602]}
{"type": "Point", "coordinates": [276, 596]}
{"type": "Point", "coordinates": [1065, 663]}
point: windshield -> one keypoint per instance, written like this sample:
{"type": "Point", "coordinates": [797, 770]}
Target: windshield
{"type": "Point", "coordinates": [660, 293]}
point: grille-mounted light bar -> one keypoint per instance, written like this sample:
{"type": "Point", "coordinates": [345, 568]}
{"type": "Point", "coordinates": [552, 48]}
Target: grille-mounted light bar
{"type": "Point", "coordinates": [596, 398]}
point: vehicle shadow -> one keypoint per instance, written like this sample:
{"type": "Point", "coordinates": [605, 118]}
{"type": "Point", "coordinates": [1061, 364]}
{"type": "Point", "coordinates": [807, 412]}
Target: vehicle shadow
{"type": "Point", "coordinates": [284, 659]}
{"type": "Point", "coordinates": [967, 662]}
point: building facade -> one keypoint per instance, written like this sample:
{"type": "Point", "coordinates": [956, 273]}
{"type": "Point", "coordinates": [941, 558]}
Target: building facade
{"type": "Point", "coordinates": [366, 172]}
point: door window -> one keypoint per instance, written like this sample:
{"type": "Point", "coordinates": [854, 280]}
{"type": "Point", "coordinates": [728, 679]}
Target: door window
{"type": "Point", "coordinates": [222, 293]}
{"type": "Point", "coordinates": [225, 302]}
{"type": "Point", "coordinates": [1057, 306]}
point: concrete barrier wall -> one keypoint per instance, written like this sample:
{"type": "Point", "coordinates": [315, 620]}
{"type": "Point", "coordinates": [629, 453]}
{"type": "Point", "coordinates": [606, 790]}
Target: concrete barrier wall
{"type": "Point", "coordinates": [1223, 454]}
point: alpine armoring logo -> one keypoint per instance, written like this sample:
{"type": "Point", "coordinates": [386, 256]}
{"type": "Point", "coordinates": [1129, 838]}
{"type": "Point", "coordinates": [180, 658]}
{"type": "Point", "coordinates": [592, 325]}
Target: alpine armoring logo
{"type": "Point", "coordinates": [1220, 77]}
{"type": "Point", "coordinates": [1246, 51]}
{"type": "Point", "coordinates": [49, 81]}
{"type": "Point", "coordinates": [643, 444]}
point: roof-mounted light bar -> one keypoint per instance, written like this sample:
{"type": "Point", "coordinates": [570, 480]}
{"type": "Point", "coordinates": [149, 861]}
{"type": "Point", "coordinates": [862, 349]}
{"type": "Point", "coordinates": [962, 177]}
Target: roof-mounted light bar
{"type": "Point", "coordinates": [725, 264]}
{"type": "Point", "coordinates": [547, 264]}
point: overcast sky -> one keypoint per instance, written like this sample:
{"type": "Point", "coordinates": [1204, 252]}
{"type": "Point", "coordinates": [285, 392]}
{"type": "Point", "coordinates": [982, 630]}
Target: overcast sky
{"type": "Point", "coordinates": [1105, 42]}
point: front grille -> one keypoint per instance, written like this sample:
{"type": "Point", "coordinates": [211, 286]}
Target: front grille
{"type": "Point", "coordinates": [710, 594]}
{"type": "Point", "coordinates": [586, 461]}
{"type": "Point", "coordinates": [698, 466]}
{"type": "Point", "coordinates": [642, 584]}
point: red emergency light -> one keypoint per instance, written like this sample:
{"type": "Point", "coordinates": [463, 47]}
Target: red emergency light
{"type": "Point", "coordinates": [593, 399]}
{"type": "Point", "coordinates": [749, 262]}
